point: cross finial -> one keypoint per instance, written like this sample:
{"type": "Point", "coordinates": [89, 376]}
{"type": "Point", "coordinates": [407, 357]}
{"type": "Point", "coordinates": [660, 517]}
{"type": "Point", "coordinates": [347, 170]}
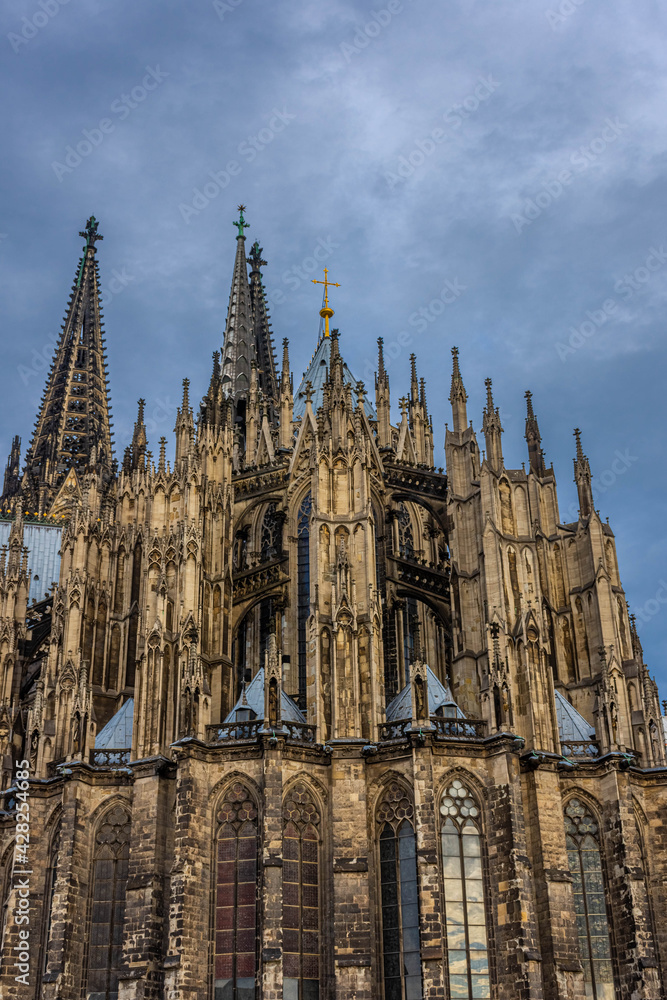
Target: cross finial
{"type": "Point", "coordinates": [326, 312]}
{"type": "Point", "coordinates": [90, 233]}
{"type": "Point", "coordinates": [241, 224]}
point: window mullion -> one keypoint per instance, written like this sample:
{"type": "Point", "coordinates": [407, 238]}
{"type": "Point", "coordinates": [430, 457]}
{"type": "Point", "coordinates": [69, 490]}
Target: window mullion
{"type": "Point", "coordinates": [465, 912]}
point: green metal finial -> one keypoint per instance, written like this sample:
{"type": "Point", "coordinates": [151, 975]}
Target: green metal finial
{"type": "Point", "coordinates": [241, 224]}
{"type": "Point", "coordinates": [91, 236]}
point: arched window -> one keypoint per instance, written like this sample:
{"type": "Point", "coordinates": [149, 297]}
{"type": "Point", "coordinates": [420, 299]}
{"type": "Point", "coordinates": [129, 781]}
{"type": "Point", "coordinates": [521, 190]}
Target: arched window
{"type": "Point", "coordinates": [270, 536]}
{"type": "Point", "coordinates": [107, 911]}
{"type": "Point", "coordinates": [235, 941]}
{"type": "Point", "coordinates": [49, 891]}
{"type": "Point", "coordinates": [406, 542]}
{"type": "Point", "coordinates": [583, 852]}
{"type": "Point", "coordinates": [465, 909]}
{"type": "Point", "coordinates": [399, 897]}
{"type": "Point", "coordinates": [303, 590]}
{"type": "Point", "coordinates": [301, 902]}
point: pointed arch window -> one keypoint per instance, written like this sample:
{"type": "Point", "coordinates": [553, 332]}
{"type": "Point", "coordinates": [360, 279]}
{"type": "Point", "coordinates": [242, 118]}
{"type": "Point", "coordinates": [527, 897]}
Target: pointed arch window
{"type": "Point", "coordinates": [235, 942]}
{"type": "Point", "coordinates": [406, 540]}
{"type": "Point", "coordinates": [49, 892]}
{"type": "Point", "coordinates": [270, 540]}
{"type": "Point", "coordinates": [107, 912]}
{"type": "Point", "coordinates": [582, 837]}
{"type": "Point", "coordinates": [465, 900]}
{"type": "Point", "coordinates": [303, 590]}
{"type": "Point", "coordinates": [399, 897]}
{"type": "Point", "coordinates": [301, 896]}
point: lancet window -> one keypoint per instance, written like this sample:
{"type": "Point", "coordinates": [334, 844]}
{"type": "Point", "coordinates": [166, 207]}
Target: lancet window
{"type": "Point", "coordinates": [399, 897]}
{"type": "Point", "coordinates": [107, 912]}
{"type": "Point", "coordinates": [406, 541]}
{"type": "Point", "coordinates": [301, 896]}
{"type": "Point", "coordinates": [303, 591]}
{"type": "Point", "coordinates": [235, 937]}
{"type": "Point", "coordinates": [270, 540]}
{"type": "Point", "coordinates": [49, 892]}
{"type": "Point", "coordinates": [465, 898]}
{"type": "Point", "coordinates": [582, 837]}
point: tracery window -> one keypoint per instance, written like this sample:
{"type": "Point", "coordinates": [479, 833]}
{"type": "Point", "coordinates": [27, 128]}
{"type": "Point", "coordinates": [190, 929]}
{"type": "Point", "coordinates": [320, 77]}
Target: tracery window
{"type": "Point", "coordinates": [465, 909]}
{"type": "Point", "coordinates": [49, 892]}
{"type": "Point", "coordinates": [303, 590]}
{"type": "Point", "coordinates": [406, 542]}
{"type": "Point", "coordinates": [583, 852]}
{"type": "Point", "coordinates": [235, 946]}
{"type": "Point", "coordinates": [270, 540]}
{"type": "Point", "coordinates": [112, 849]}
{"type": "Point", "coordinates": [401, 961]}
{"type": "Point", "coordinates": [301, 899]}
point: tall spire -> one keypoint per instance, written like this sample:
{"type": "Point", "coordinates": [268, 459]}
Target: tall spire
{"type": "Point", "coordinates": [458, 396]}
{"type": "Point", "coordinates": [238, 346]}
{"type": "Point", "coordinates": [73, 428]}
{"type": "Point", "coordinates": [582, 477]}
{"type": "Point", "coordinates": [492, 430]}
{"type": "Point", "coordinates": [535, 455]}
{"type": "Point", "coordinates": [263, 339]}
{"type": "Point", "coordinates": [12, 483]}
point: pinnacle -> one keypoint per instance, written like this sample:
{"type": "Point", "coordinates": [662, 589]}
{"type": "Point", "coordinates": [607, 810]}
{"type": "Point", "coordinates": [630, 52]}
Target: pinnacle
{"type": "Point", "coordinates": [529, 405]}
{"type": "Point", "coordinates": [457, 389]}
{"type": "Point", "coordinates": [490, 408]}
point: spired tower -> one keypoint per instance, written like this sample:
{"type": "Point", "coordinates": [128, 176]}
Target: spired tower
{"type": "Point", "coordinates": [304, 717]}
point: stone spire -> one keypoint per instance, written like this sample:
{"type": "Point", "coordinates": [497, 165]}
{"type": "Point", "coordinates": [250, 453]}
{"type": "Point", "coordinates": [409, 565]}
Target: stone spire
{"type": "Point", "coordinates": [139, 440]}
{"type": "Point", "coordinates": [185, 425]}
{"type": "Point", "coordinates": [238, 341]}
{"type": "Point", "coordinates": [458, 396]}
{"type": "Point", "coordinates": [73, 428]}
{"type": "Point", "coordinates": [286, 401]}
{"type": "Point", "coordinates": [12, 483]}
{"type": "Point", "coordinates": [263, 338]}
{"type": "Point", "coordinates": [582, 477]}
{"type": "Point", "coordinates": [533, 439]}
{"type": "Point", "coordinates": [492, 430]}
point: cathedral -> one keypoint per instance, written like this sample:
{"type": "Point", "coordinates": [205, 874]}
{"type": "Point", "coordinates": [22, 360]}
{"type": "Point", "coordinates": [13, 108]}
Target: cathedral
{"type": "Point", "coordinates": [298, 715]}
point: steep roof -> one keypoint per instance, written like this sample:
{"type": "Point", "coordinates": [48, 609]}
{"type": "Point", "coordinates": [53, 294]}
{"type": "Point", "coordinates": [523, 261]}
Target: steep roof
{"type": "Point", "coordinates": [117, 734]}
{"type": "Point", "coordinates": [438, 697]}
{"type": "Point", "coordinates": [571, 724]}
{"type": "Point", "coordinates": [317, 374]}
{"type": "Point", "coordinates": [253, 698]}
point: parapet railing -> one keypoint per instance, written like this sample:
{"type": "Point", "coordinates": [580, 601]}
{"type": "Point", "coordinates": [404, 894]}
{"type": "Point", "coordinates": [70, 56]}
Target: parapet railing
{"type": "Point", "coordinates": [110, 757]}
{"type": "Point", "coordinates": [470, 729]}
{"type": "Point", "coordinates": [580, 748]}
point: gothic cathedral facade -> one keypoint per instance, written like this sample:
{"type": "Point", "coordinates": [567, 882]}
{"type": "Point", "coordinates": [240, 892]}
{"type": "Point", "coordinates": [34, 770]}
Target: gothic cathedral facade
{"type": "Point", "coordinates": [298, 716]}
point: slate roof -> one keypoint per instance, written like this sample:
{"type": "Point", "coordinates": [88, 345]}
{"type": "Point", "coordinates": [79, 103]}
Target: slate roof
{"type": "Point", "coordinates": [438, 697]}
{"type": "Point", "coordinates": [254, 700]}
{"type": "Point", "coordinates": [571, 724]}
{"type": "Point", "coordinates": [117, 734]}
{"type": "Point", "coordinates": [317, 373]}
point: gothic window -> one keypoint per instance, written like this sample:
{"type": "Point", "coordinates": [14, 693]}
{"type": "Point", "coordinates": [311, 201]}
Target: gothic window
{"type": "Point", "coordinates": [112, 848]}
{"type": "Point", "coordinates": [399, 898]}
{"type": "Point", "coordinates": [266, 622]}
{"type": "Point", "coordinates": [49, 892]}
{"type": "Point", "coordinates": [406, 543]}
{"type": "Point", "coordinates": [465, 910]}
{"type": "Point", "coordinates": [235, 947]}
{"type": "Point", "coordinates": [301, 900]}
{"type": "Point", "coordinates": [583, 851]}
{"type": "Point", "coordinates": [270, 540]}
{"type": "Point", "coordinates": [303, 590]}
{"type": "Point", "coordinates": [410, 634]}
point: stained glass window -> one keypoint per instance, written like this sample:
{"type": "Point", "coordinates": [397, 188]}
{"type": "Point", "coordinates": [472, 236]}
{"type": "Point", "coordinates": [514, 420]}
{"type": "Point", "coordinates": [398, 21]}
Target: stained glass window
{"type": "Point", "coordinates": [465, 910]}
{"type": "Point", "coordinates": [401, 961]}
{"type": "Point", "coordinates": [49, 892]}
{"type": "Point", "coordinates": [112, 850]}
{"type": "Point", "coordinates": [583, 852]}
{"type": "Point", "coordinates": [301, 899]}
{"type": "Point", "coordinates": [235, 949]}
{"type": "Point", "coordinates": [303, 591]}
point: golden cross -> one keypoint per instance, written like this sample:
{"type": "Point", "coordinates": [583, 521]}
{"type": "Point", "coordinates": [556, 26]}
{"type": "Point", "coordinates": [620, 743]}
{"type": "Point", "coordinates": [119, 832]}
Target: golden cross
{"type": "Point", "coordinates": [326, 312]}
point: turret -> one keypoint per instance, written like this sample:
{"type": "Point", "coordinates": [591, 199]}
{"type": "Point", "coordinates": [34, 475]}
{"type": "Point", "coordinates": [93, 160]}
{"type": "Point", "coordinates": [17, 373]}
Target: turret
{"type": "Point", "coordinates": [582, 477]}
{"type": "Point", "coordinates": [458, 396]}
{"type": "Point", "coordinates": [492, 430]}
{"type": "Point", "coordinates": [533, 439]}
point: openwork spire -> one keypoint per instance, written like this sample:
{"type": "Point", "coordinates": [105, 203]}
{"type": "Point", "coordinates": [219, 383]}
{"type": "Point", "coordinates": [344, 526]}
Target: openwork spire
{"type": "Point", "coordinates": [533, 439]}
{"type": "Point", "coordinates": [238, 347]}
{"type": "Point", "coordinates": [263, 340]}
{"type": "Point", "coordinates": [73, 428]}
{"type": "Point", "coordinates": [582, 477]}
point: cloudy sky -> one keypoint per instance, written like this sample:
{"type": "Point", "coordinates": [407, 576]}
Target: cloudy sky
{"type": "Point", "coordinates": [485, 173]}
